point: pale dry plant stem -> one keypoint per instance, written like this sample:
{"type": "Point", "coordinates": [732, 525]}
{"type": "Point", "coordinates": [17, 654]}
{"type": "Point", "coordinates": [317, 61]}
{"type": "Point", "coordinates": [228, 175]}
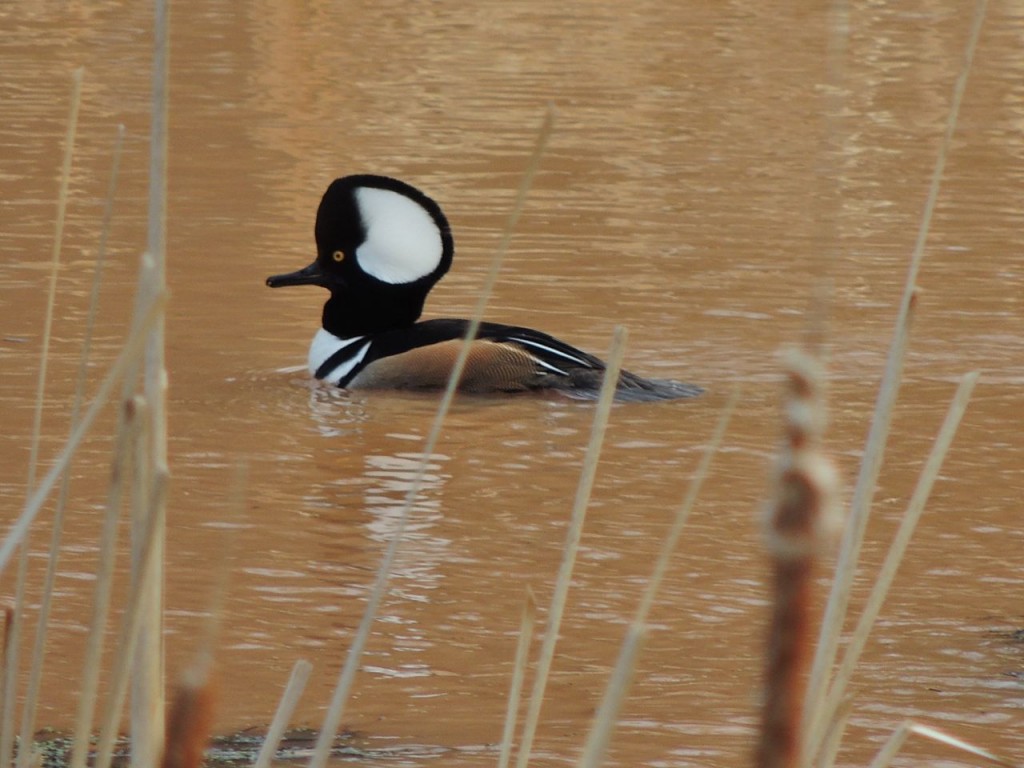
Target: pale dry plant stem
{"type": "Point", "coordinates": [893, 558]}
{"type": "Point", "coordinates": [543, 135]}
{"type": "Point", "coordinates": [28, 717]}
{"type": "Point", "coordinates": [572, 541]}
{"type": "Point", "coordinates": [125, 445]}
{"type": "Point", "coordinates": [833, 737]}
{"type": "Point", "coordinates": [11, 682]}
{"type": "Point", "coordinates": [131, 625]}
{"type": "Point", "coordinates": [835, 613]}
{"type": "Point", "coordinates": [526, 625]}
{"type": "Point", "coordinates": [127, 357]}
{"type": "Point", "coordinates": [683, 513]}
{"type": "Point", "coordinates": [604, 722]}
{"type": "Point", "coordinates": [600, 731]}
{"type": "Point", "coordinates": [909, 728]}
{"type": "Point", "coordinates": [828, 201]}
{"type": "Point", "coordinates": [147, 703]}
{"type": "Point", "coordinates": [51, 295]}
{"type": "Point", "coordinates": [336, 709]}
{"type": "Point", "coordinates": [289, 700]}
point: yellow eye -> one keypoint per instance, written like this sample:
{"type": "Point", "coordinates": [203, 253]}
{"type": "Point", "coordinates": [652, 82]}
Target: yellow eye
{"type": "Point", "coordinates": [338, 256]}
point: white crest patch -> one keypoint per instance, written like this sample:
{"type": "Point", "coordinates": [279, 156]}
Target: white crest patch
{"type": "Point", "coordinates": [402, 242]}
{"type": "Point", "coordinates": [326, 344]}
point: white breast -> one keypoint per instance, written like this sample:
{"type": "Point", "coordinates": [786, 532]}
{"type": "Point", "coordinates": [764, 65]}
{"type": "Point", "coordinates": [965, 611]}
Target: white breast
{"type": "Point", "coordinates": [326, 344]}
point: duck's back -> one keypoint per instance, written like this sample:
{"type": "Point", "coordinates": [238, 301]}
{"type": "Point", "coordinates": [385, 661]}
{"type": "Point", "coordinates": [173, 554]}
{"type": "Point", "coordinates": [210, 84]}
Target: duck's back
{"type": "Point", "coordinates": [502, 358]}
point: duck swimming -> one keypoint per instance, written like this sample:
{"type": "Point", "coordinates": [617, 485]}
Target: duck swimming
{"type": "Point", "coordinates": [381, 246]}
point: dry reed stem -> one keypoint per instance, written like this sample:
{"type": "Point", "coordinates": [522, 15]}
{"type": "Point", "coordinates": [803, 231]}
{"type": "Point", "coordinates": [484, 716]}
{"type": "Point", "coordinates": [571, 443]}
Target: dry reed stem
{"type": "Point", "coordinates": [7, 724]}
{"type": "Point", "coordinates": [866, 481]}
{"type": "Point", "coordinates": [335, 711]}
{"type": "Point", "coordinates": [219, 590]}
{"type": "Point", "coordinates": [126, 440]}
{"type": "Point", "coordinates": [543, 135]}
{"type": "Point", "coordinates": [833, 738]}
{"type": "Point", "coordinates": [855, 526]}
{"type": "Point", "coordinates": [828, 200]}
{"type": "Point", "coordinates": [131, 623]}
{"type": "Point", "coordinates": [828, 641]}
{"type": "Point", "coordinates": [289, 700]}
{"type": "Point", "coordinates": [600, 732]}
{"type": "Point", "coordinates": [147, 522]}
{"type": "Point", "coordinates": [893, 558]}
{"type": "Point", "coordinates": [604, 722]}
{"type": "Point", "coordinates": [51, 295]}
{"type": "Point", "coordinates": [132, 348]}
{"type": "Point", "coordinates": [908, 728]}
{"type": "Point", "coordinates": [526, 625]}
{"type": "Point", "coordinates": [28, 718]}
{"type": "Point", "coordinates": [190, 719]}
{"type": "Point", "coordinates": [572, 541]}
{"type": "Point", "coordinates": [147, 729]}
{"type": "Point", "coordinates": [683, 513]}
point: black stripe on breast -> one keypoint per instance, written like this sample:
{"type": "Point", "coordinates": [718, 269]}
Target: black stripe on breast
{"type": "Point", "coordinates": [339, 357]}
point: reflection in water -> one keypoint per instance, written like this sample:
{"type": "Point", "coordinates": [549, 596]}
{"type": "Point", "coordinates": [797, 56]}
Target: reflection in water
{"type": "Point", "coordinates": [385, 481]}
{"type": "Point", "coordinates": [392, 478]}
{"type": "Point", "coordinates": [334, 412]}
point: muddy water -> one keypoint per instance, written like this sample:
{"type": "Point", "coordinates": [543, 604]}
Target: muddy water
{"type": "Point", "coordinates": [688, 193]}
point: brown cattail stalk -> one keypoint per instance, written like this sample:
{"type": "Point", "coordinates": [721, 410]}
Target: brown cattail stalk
{"type": "Point", "coordinates": [190, 720]}
{"type": "Point", "coordinates": [804, 484]}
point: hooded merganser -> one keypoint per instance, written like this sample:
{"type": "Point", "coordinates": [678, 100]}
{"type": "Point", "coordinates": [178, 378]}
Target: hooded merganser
{"type": "Point", "coordinates": [381, 246]}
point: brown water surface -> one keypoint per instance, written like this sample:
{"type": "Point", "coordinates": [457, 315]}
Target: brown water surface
{"type": "Point", "coordinates": [688, 193]}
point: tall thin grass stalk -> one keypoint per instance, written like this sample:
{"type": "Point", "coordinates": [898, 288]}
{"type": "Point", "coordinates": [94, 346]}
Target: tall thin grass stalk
{"type": "Point", "coordinates": [683, 513]}
{"type": "Point", "coordinates": [51, 294]}
{"type": "Point", "coordinates": [133, 346]}
{"type": "Point", "coordinates": [125, 443]}
{"type": "Point", "coordinates": [805, 486]}
{"type": "Point", "coordinates": [828, 200]}
{"type": "Point", "coordinates": [28, 717]}
{"type": "Point", "coordinates": [604, 722]}
{"type": "Point", "coordinates": [7, 725]}
{"type": "Point", "coordinates": [147, 544]}
{"type": "Point", "coordinates": [148, 677]}
{"type": "Point", "coordinates": [515, 690]}
{"type": "Point", "coordinates": [864, 489]}
{"type": "Point", "coordinates": [910, 728]}
{"type": "Point", "coordinates": [289, 700]}
{"type": "Point", "coordinates": [335, 711]}
{"type": "Point", "coordinates": [572, 541]}
{"type": "Point", "coordinates": [600, 731]}
{"type": "Point", "coordinates": [893, 558]}
{"type": "Point", "coordinates": [540, 144]}
{"type": "Point", "coordinates": [131, 625]}
{"type": "Point", "coordinates": [833, 738]}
